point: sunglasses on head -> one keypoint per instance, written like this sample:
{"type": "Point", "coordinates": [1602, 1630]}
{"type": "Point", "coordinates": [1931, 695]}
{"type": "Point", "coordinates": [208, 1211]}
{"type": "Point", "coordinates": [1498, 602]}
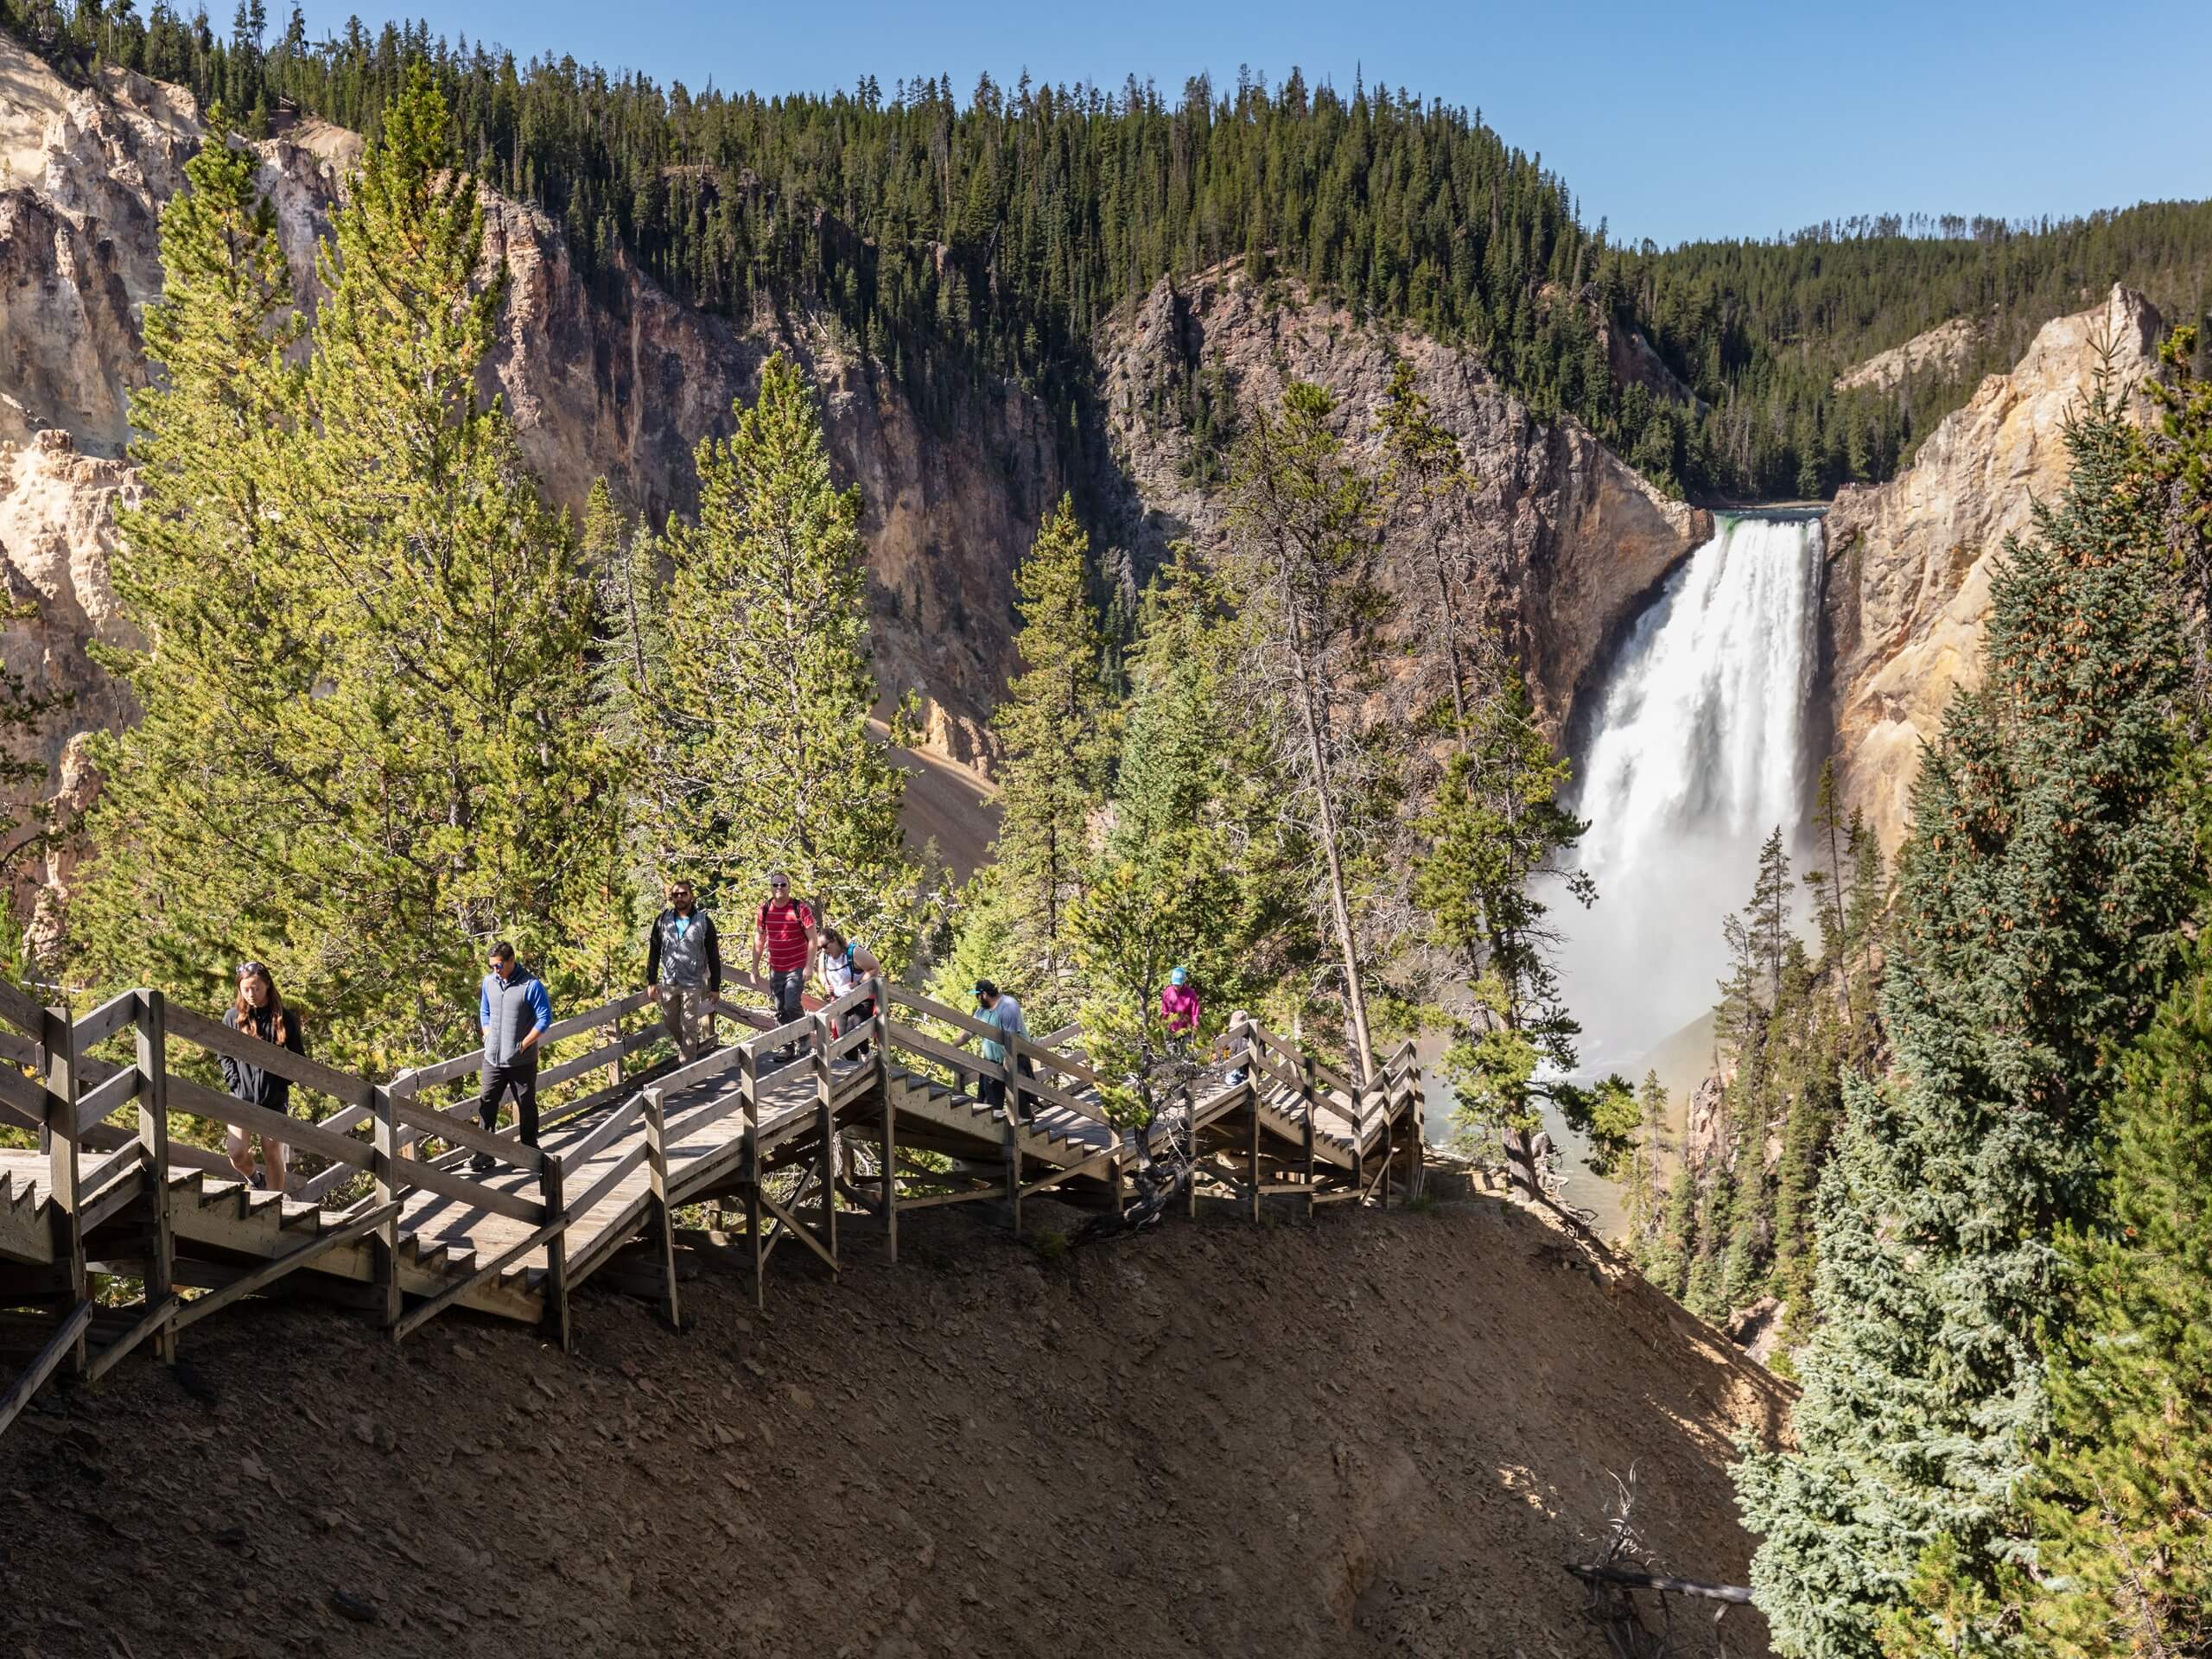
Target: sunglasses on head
{"type": "Point", "coordinates": [247, 969]}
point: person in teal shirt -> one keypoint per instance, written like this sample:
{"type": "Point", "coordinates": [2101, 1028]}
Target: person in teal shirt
{"type": "Point", "coordinates": [996, 1008]}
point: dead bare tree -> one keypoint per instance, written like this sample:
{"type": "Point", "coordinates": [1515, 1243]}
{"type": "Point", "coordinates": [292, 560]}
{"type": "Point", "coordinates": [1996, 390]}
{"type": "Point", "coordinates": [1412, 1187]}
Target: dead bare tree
{"type": "Point", "coordinates": [1625, 1563]}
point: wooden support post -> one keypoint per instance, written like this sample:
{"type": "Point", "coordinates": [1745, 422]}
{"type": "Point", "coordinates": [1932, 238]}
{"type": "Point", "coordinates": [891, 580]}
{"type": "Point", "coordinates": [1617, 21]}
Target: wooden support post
{"type": "Point", "coordinates": [1417, 1181]}
{"type": "Point", "coordinates": [1310, 1166]}
{"type": "Point", "coordinates": [890, 1120]}
{"type": "Point", "coordinates": [664, 1222]}
{"type": "Point", "coordinates": [553, 1188]}
{"type": "Point", "coordinates": [384, 1165]}
{"type": "Point", "coordinates": [614, 1036]}
{"type": "Point", "coordinates": [749, 1086]}
{"type": "Point", "coordinates": [58, 1061]}
{"type": "Point", "coordinates": [826, 1117]}
{"type": "Point", "coordinates": [1191, 1149]}
{"type": "Point", "coordinates": [154, 1148]}
{"type": "Point", "coordinates": [1011, 1064]}
{"type": "Point", "coordinates": [1390, 1149]}
{"type": "Point", "coordinates": [1254, 1169]}
{"type": "Point", "coordinates": [1309, 1091]}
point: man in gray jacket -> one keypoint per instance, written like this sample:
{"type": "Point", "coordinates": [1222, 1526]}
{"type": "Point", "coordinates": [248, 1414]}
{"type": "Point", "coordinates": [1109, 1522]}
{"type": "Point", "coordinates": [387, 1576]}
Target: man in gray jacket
{"type": "Point", "coordinates": [684, 971]}
{"type": "Point", "coordinates": [514, 1012]}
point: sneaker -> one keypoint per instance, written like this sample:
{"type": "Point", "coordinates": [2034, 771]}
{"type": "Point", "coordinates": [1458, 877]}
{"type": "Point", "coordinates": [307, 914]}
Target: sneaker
{"type": "Point", "coordinates": [483, 1163]}
{"type": "Point", "coordinates": [260, 1181]}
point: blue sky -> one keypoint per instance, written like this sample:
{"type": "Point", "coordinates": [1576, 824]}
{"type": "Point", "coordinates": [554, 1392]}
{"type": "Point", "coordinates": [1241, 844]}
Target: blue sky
{"type": "Point", "coordinates": [1669, 121]}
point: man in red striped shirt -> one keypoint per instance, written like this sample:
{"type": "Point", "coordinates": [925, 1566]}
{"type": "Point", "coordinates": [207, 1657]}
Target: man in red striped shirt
{"type": "Point", "coordinates": [783, 929]}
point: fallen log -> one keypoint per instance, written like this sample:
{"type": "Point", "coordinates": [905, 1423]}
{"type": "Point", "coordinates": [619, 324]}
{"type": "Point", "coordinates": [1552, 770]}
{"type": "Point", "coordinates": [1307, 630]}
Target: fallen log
{"type": "Point", "coordinates": [1628, 1579]}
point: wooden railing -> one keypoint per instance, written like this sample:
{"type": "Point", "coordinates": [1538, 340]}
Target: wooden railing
{"type": "Point", "coordinates": [105, 1129]}
{"type": "Point", "coordinates": [376, 1134]}
{"type": "Point", "coordinates": [1318, 1101]}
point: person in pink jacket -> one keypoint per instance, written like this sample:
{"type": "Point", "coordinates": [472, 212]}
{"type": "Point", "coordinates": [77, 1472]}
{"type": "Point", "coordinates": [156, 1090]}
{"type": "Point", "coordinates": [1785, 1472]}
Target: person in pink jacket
{"type": "Point", "coordinates": [1178, 1004]}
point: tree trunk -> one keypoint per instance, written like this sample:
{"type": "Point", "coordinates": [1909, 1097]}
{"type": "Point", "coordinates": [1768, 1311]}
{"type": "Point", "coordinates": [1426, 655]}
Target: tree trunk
{"type": "Point", "coordinates": [1339, 905]}
{"type": "Point", "coordinates": [1450, 632]}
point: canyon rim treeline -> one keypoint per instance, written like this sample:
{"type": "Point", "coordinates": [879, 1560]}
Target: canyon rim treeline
{"type": "Point", "coordinates": [995, 235]}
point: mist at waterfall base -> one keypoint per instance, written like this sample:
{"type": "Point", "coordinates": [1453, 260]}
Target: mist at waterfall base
{"type": "Point", "coordinates": [1697, 750]}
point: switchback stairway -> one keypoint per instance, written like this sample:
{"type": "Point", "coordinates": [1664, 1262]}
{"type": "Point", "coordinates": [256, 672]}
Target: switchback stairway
{"type": "Point", "coordinates": [868, 1108]}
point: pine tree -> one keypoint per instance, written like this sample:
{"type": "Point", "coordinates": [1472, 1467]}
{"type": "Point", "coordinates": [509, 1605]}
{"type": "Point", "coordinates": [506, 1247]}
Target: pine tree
{"type": "Point", "coordinates": [404, 765]}
{"type": "Point", "coordinates": [1055, 725]}
{"type": "Point", "coordinates": [2123, 1489]}
{"type": "Point", "coordinates": [188, 866]}
{"type": "Point", "coordinates": [1198, 870]}
{"type": "Point", "coordinates": [759, 753]}
{"type": "Point", "coordinates": [1767, 915]}
{"type": "Point", "coordinates": [2042, 893]}
{"type": "Point", "coordinates": [1493, 836]}
{"type": "Point", "coordinates": [1830, 886]}
{"type": "Point", "coordinates": [1645, 1202]}
{"type": "Point", "coordinates": [1302, 517]}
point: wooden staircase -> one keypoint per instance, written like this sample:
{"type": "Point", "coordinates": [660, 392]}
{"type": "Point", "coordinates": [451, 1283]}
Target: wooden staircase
{"type": "Point", "coordinates": [121, 1233]}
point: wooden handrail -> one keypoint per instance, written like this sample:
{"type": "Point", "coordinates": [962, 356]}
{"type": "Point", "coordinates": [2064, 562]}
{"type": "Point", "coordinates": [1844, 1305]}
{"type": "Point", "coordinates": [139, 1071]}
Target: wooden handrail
{"type": "Point", "coordinates": [849, 1002]}
{"type": "Point", "coordinates": [201, 1100]}
{"type": "Point", "coordinates": [609, 1128]}
{"type": "Point", "coordinates": [462, 1132]}
{"type": "Point", "coordinates": [953, 1017]}
{"type": "Point", "coordinates": [21, 1011]}
{"type": "Point", "coordinates": [273, 1057]}
{"type": "Point", "coordinates": [901, 1036]}
{"type": "Point", "coordinates": [111, 1016]}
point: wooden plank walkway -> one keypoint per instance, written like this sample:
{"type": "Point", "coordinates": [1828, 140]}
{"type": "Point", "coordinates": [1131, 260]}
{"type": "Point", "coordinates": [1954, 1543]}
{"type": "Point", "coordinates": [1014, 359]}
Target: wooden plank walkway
{"type": "Point", "coordinates": [867, 1106]}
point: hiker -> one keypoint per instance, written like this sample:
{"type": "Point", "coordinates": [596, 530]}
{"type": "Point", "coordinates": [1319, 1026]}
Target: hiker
{"type": "Point", "coordinates": [259, 1011]}
{"type": "Point", "coordinates": [841, 964]}
{"type": "Point", "coordinates": [684, 971]}
{"type": "Point", "coordinates": [1240, 1066]}
{"type": "Point", "coordinates": [782, 928]}
{"type": "Point", "coordinates": [514, 1011]}
{"type": "Point", "coordinates": [1178, 1004]}
{"type": "Point", "coordinates": [996, 1008]}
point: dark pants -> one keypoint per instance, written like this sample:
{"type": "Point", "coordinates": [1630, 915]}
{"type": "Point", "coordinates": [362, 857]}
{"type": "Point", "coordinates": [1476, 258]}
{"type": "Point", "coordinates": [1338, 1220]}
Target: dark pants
{"type": "Point", "coordinates": [521, 1076]}
{"type": "Point", "coordinates": [853, 1019]}
{"type": "Point", "coordinates": [783, 990]}
{"type": "Point", "coordinates": [992, 1091]}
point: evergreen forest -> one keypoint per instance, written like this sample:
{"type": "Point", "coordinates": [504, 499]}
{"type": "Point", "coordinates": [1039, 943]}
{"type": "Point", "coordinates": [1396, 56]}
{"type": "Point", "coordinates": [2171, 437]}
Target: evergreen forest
{"type": "Point", "coordinates": [393, 708]}
{"type": "Point", "coordinates": [990, 232]}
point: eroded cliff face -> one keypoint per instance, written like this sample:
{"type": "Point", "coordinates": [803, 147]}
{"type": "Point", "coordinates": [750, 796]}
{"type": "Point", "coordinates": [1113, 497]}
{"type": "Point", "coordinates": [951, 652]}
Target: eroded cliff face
{"type": "Point", "coordinates": [1577, 539]}
{"type": "Point", "coordinates": [1911, 561]}
{"type": "Point", "coordinates": [607, 375]}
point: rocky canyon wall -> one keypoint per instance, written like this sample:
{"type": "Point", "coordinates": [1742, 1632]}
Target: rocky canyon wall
{"type": "Point", "coordinates": [607, 375]}
{"type": "Point", "coordinates": [1909, 560]}
{"type": "Point", "coordinates": [1576, 539]}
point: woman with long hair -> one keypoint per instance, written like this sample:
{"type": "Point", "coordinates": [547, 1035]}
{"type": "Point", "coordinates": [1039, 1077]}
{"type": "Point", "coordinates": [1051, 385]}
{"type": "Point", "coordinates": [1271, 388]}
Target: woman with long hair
{"type": "Point", "coordinates": [842, 964]}
{"type": "Point", "coordinates": [259, 1012]}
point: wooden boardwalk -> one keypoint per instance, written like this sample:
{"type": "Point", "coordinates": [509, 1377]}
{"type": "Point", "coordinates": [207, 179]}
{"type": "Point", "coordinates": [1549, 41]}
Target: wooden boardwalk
{"type": "Point", "coordinates": [114, 1234]}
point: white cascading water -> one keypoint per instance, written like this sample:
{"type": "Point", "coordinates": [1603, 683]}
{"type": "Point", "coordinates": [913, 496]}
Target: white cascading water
{"type": "Point", "coordinates": [1697, 752]}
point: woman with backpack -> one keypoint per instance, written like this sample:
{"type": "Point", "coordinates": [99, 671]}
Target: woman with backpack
{"type": "Point", "coordinates": [259, 1012]}
{"type": "Point", "coordinates": [842, 964]}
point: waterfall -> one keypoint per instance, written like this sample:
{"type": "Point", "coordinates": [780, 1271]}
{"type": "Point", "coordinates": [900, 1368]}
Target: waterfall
{"type": "Point", "coordinates": [1697, 750]}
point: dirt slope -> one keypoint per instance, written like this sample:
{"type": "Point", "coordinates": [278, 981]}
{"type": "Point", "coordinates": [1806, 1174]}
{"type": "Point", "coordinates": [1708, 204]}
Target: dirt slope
{"type": "Point", "coordinates": [1377, 1434]}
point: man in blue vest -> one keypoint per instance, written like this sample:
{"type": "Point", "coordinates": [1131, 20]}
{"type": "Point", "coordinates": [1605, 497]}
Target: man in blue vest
{"type": "Point", "coordinates": [514, 1011]}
